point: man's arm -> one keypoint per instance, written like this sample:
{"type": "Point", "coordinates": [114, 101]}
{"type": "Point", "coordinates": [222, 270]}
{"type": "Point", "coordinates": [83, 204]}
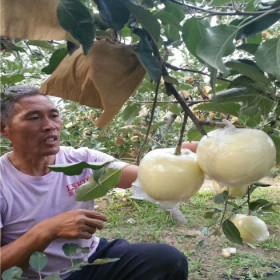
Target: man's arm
{"type": "Point", "coordinates": [128, 176]}
{"type": "Point", "coordinates": [69, 225]}
{"type": "Point", "coordinates": [190, 145]}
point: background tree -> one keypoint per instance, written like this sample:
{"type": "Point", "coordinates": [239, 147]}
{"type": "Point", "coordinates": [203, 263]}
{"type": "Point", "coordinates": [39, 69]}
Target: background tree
{"type": "Point", "coordinates": [211, 59]}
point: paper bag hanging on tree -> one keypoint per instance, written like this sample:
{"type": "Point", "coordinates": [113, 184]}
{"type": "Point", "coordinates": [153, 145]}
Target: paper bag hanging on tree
{"type": "Point", "coordinates": [32, 19]}
{"type": "Point", "coordinates": [104, 78]}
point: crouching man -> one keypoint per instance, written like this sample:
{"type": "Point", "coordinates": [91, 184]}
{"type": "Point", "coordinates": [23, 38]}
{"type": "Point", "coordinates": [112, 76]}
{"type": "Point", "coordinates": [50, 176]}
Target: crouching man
{"type": "Point", "coordinates": [39, 211]}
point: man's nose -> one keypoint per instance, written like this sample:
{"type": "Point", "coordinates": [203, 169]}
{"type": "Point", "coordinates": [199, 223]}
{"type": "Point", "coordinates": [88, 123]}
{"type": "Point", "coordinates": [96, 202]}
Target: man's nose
{"type": "Point", "coordinates": [49, 125]}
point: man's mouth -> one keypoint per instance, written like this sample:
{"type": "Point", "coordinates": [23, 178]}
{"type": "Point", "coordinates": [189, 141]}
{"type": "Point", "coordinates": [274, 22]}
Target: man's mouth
{"type": "Point", "coordinates": [50, 139]}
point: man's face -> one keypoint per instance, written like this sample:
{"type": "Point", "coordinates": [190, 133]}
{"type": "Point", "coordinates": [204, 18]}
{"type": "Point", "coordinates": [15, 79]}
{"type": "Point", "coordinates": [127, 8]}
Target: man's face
{"type": "Point", "coordinates": [35, 127]}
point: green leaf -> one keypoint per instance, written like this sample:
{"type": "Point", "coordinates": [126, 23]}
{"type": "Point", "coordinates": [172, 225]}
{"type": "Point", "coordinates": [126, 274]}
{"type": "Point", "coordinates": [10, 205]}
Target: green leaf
{"type": "Point", "coordinates": [41, 44]}
{"type": "Point", "coordinates": [194, 30]}
{"type": "Point", "coordinates": [199, 245]}
{"type": "Point", "coordinates": [219, 2]}
{"type": "Point", "coordinates": [170, 24]}
{"type": "Point", "coordinates": [54, 276]}
{"type": "Point", "coordinates": [230, 95]}
{"type": "Point", "coordinates": [221, 197]}
{"type": "Point", "coordinates": [38, 261]}
{"type": "Point", "coordinates": [231, 232]}
{"type": "Point", "coordinates": [258, 26]}
{"type": "Point", "coordinates": [55, 59]}
{"type": "Point", "coordinates": [250, 48]}
{"type": "Point", "coordinates": [97, 174]}
{"type": "Point", "coordinates": [175, 109]}
{"type": "Point", "coordinates": [175, 10]}
{"type": "Point", "coordinates": [104, 261]}
{"type": "Point", "coordinates": [146, 18]}
{"type": "Point", "coordinates": [226, 108]}
{"type": "Point", "coordinates": [249, 84]}
{"type": "Point", "coordinates": [193, 134]}
{"type": "Point", "coordinates": [11, 79]}
{"type": "Point", "coordinates": [217, 43]}
{"type": "Point", "coordinates": [130, 112]}
{"type": "Point", "coordinates": [71, 249]}
{"type": "Point", "coordinates": [76, 168]}
{"type": "Point", "coordinates": [171, 80]}
{"type": "Point", "coordinates": [12, 273]}
{"type": "Point", "coordinates": [253, 101]}
{"type": "Point", "coordinates": [250, 121]}
{"type": "Point", "coordinates": [92, 190]}
{"type": "Point", "coordinates": [75, 18]}
{"type": "Point", "coordinates": [113, 12]}
{"type": "Point", "coordinates": [260, 204]}
{"type": "Point", "coordinates": [145, 54]}
{"type": "Point", "coordinates": [76, 266]}
{"type": "Point", "coordinates": [268, 57]}
{"type": "Point", "coordinates": [249, 69]}
{"type": "Point", "coordinates": [260, 184]}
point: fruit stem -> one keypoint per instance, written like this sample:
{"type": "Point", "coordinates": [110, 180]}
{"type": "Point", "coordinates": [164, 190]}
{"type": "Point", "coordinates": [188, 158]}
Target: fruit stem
{"type": "Point", "coordinates": [182, 131]}
{"type": "Point", "coordinates": [224, 211]}
{"type": "Point", "coordinates": [248, 200]}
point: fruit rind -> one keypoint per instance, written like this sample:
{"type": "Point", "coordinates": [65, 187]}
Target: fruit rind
{"type": "Point", "coordinates": [168, 177]}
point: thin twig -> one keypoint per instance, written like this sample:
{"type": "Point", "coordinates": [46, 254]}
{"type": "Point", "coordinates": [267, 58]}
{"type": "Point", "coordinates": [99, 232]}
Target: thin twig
{"type": "Point", "coordinates": [189, 102]}
{"type": "Point", "coordinates": [173, 67]}
{"type": "Point", "coordinates": [224, 212]}
{"type": "Point", "coordinates": [182, 131]}
{"type": "Point", "coordinates": [150, 124]}
{"type": "Point", "coordinates": [171, 90]}
{"type": "Point", "coordinates": [249, 198]}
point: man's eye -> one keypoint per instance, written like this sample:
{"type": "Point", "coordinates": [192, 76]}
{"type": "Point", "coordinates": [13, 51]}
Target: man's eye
{"type": "Point", "coordinates": [33, 118]}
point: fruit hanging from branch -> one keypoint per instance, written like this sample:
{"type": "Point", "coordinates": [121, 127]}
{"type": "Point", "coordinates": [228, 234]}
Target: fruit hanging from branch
{"type": "Point", "coordinates": [169, 177]}
{"type": "Point", "coordinates": [252, 229]}
{"type": "Point", "coordinates": [236, 156]}
{"type": "Point", "coordinates": [233, 193]}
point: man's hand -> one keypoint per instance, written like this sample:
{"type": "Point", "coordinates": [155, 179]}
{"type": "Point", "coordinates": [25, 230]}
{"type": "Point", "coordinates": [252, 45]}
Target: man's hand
{"type": "Point", "coordinates": [69, 225]}
{"type": "Point", "coordinates": [75, 224]}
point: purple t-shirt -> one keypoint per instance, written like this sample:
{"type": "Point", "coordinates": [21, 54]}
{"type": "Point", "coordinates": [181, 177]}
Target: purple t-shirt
{"type": "Point", "coordinates": [27, 200]}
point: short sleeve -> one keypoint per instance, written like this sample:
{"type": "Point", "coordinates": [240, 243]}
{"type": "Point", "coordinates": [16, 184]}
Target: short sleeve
{"type": "Point", "coordinates": [97, 156]}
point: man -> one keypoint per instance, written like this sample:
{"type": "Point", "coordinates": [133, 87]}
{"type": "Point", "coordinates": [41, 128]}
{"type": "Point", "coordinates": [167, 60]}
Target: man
{"type": "Point", "coordinates": [39, 211]}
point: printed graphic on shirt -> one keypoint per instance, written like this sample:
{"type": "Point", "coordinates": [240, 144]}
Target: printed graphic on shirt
{"type": "Point", "coordinates": [72, 188]}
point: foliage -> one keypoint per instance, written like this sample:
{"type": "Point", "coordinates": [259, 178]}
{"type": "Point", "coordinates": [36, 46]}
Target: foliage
{"type": "Point", "coordinates": [211, 60]}
{"type": "Point", "coordinates": [39, 260]}
{"type": "Point", "coordinates": [229, 50]}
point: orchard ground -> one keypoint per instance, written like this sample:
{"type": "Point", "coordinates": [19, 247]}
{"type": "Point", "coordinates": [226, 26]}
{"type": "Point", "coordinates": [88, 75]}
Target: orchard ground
{"type": "Point", "coordinates": [142, 221]}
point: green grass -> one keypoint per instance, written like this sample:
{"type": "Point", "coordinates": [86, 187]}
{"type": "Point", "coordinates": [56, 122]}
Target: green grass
{"type": "Point", "coordinates": [142, 221]}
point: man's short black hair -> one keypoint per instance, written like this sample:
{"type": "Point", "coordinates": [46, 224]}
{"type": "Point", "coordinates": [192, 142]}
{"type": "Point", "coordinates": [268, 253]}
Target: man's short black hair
{"type": "Point", "coordinates": [11, 96]}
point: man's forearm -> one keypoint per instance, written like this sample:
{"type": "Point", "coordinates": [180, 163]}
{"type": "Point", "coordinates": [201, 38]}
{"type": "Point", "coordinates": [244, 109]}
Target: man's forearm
{"type": "Point", "coordinates": [18, 252]}
{"type": "Point", "coordinates": [79, 223]}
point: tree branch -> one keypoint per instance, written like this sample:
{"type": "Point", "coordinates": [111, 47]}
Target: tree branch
{"type": "Point", "coordinates": [171, 90]}
{"type": "Point", "coordinates": [216, 13]}
{"type": "Point", "coordinates": [173, 67]}
{"type": "Point", "coordinates": [182, 131]}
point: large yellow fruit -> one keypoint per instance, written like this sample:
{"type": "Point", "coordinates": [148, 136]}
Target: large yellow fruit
{"type": "Point", "coordinates": [168, 177]}
{"type": "Point", "coordinates": [251, 228]}
{"type": "Point", "coordinates": [236, 156]}
{"type": "Point", "coordinates": [233, 193]}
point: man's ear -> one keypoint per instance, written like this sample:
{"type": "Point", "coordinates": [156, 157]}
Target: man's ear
{"type": "Point", "coordinates": [4, 128]}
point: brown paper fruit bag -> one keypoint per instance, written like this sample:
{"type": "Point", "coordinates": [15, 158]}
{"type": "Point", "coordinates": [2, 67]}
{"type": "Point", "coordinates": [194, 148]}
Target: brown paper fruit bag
{"type": "Point", "coordinates": [104, 78]}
